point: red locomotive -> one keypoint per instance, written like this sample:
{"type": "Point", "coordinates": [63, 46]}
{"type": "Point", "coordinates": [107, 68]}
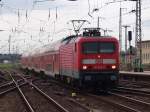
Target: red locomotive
{"type": "Point", "coordinates": [88, 59]}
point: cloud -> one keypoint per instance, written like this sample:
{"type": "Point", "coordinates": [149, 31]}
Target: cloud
{"type": "Point", "coordinates": [146, 23]}
{"type": "Point", "coordinates": [36, 29]}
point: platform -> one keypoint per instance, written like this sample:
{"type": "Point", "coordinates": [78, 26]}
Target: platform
{"type": "Point", "coordinates": [135, 73]}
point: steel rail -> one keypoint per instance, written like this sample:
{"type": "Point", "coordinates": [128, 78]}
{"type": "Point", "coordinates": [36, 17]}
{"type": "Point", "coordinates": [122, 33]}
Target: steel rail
{"type": "Point", "coordinates": [6, 84]}
{"type": "Point", "coordinates": [22, 95]}
{"type": "Point", "coordinates": [62, 109]}
{"type": "Point", "coordinates": [81, 105]}
{"type": "Point", "coordinates": [132, 92]}
{"type": "Point", "coordinates": [11, 89]}
{"type": "Point", "coordinates": [135, 90]}
{"type": "Point", "coordinates": [121, 106]}
{"type": "Point", "coordinates": [141, 84]}
{"type": "Point", "coordinates": [1, 77]}
{"type": "Point", "coordinates": [49, 98]}
{"type": "Point", "coordinates": [10, 83]}
{"type": "Point", "coordinates": [130, 99]}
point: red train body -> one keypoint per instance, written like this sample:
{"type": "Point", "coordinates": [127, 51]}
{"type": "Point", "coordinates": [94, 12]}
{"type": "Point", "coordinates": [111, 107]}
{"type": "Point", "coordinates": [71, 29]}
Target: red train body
{"type": "Point", "coordinates": [82, 60]}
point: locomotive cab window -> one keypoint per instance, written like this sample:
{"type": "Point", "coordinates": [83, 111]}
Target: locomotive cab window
{"type": "Point", "coordinates": [107, 48]}
{"type": "Point", "coordinates": [98, 47]}
{"type": "Point", "coordinates": [90, 47]}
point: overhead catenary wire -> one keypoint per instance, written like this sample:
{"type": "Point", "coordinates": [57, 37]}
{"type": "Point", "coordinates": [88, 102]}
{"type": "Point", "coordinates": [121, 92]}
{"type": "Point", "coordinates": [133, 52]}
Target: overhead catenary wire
{"type": "Point", "coordinates": [23, 28]}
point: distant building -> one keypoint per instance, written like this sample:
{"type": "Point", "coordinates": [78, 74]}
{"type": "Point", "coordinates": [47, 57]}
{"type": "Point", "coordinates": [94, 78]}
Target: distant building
{"type": "Point", "coordinates": [7, 58]}
{"type": "Point", "coordinates": [146, 52]}
{"type": "Point", "coordinates": [131, 57]}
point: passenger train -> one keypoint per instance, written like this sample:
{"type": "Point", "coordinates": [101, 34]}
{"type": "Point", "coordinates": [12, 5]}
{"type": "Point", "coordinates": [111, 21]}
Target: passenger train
{"type": "Point", "coordinates": [89, 59]}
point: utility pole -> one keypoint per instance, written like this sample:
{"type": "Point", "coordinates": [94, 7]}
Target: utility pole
{"type": "Point", "coordinates": [120, 29]}
{"type": "Point", "coordinates": [120, 23]}
{"type": "Point", "coordinates": [98, 22]}
{"type": "Point", "coordinates": [9, 44]}
{"type": "Point", "coordinates": [138, 34]}
{"type": "Point", "coordinates": [126, 38]}
{"type": "Point", "coordinates": [138, 37]}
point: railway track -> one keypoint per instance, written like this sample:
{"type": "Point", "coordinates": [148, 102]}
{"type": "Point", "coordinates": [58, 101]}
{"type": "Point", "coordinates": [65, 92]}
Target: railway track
{"type": "Point", "coordinates": [69, 103]}
{"type": "Point", "coordinates": [136, 84]}
{"type": "Point", "coordinates": [2, 78]}
{"type": "Point", "coordinates": [133, 91]}
{"type": "Point", "coordinates": [10, 86]}
{"type": "Point", "coordinates": [42, 97]}
{"type": "Point", "coordinates": [130, 99]}
{"type": "Point", "coordinates": [92, 103]}
{"type": "Point", "coordinates": [123, 102]}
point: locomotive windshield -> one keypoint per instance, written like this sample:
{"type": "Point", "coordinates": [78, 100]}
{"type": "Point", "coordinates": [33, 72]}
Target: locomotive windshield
{"type": "Point", "coordinates": [98, 47]}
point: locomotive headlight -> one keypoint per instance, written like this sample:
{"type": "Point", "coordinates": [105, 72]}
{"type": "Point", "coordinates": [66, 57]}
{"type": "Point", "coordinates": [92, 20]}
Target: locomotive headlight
{"type": "Point", "coordinates": [84, 67]}
{"type": "Point", "coordinates": [113, 66]}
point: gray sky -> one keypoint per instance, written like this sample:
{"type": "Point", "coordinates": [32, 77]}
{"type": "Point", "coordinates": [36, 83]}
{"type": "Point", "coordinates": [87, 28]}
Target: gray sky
{"type": "Point", "coordinates": [32, 24]}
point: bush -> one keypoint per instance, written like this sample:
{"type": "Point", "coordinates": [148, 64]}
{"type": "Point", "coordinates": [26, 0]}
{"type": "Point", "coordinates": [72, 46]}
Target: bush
{"type": "Point", "coordinates": [8, 66]}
